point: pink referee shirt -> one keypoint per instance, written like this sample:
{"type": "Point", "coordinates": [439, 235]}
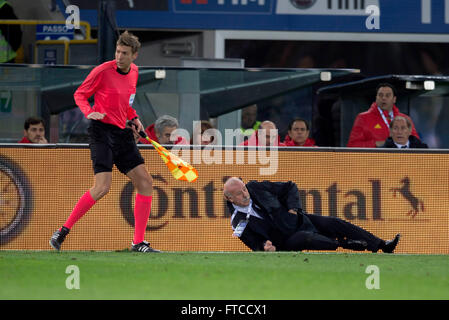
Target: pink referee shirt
{"type": "Point", "coordinates": [114, 93]}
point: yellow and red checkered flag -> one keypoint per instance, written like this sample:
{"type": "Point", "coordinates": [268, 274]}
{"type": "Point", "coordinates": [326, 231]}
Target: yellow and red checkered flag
{"type": "Point", "coordinates": [180, 169]}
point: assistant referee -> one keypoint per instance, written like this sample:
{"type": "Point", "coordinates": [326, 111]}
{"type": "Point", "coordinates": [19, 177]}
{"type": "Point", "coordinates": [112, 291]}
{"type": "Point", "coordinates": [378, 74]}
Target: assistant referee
{"type": "Point", "coordinates": [113, 85]}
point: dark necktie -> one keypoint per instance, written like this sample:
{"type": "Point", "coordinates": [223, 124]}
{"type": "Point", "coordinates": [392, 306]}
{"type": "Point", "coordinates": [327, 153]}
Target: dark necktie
{"type": "Point", "coordinates": [404, 147]}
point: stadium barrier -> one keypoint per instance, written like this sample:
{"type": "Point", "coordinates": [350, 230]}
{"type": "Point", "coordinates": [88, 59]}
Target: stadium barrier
{"type": "Point", "coordinates": [385, 192]}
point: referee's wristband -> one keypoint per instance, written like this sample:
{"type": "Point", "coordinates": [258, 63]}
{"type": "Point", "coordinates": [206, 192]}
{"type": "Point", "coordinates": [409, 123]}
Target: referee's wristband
{"type": "Point", "coordinates": [132, 120]}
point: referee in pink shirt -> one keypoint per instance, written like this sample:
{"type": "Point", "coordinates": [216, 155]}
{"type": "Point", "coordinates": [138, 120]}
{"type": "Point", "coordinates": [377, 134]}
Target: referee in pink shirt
{"type": "Point", "coordinates": [113, 85]}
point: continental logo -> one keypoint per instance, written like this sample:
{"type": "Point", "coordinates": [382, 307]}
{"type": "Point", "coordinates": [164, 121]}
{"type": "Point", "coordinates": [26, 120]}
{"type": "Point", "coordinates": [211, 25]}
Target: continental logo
{"type": "Point", "coordinates": [354, 201]}
{"type": "Point", "coordinates": [16, 200]}
{"type": "Point", "coordinates": [416, 204]}
{"type": "Point", "coordinates": [183, 203]}
{"type": "Point", "coordinates": [181, 200]}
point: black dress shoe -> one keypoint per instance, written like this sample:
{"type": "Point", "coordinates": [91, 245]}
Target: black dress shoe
{"type": "Point", "coordinates": [356, 245]}
{"type": "Point", "coordinates": [390, 245]}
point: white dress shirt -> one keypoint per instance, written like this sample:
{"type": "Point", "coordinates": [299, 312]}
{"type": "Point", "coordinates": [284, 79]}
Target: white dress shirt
{"type": "Point", "coordinates": [407, 145]}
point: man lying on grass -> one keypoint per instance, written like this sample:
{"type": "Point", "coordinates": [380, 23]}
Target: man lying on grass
{"type": "Point", "coordinates": [267, 216]}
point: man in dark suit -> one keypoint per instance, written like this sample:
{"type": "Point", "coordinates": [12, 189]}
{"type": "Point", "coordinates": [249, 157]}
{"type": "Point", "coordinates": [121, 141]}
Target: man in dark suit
{"type": "Point", "coordinates": [267, 216]}
{"type": "Point", "coordinates": [401, 135]}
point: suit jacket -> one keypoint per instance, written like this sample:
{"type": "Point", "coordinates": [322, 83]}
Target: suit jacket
{"type": "Point", "coordinates": [414, 143]}
{"type": "Point", "coordinates": [272, 200]}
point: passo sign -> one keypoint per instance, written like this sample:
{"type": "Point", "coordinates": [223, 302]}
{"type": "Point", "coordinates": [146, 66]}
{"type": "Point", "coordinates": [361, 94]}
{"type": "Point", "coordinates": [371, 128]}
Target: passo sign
{"type": "Point", "coordinates": [54, 32]}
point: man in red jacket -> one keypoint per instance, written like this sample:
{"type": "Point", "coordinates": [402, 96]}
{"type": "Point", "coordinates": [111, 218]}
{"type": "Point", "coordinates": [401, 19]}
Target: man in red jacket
{"type": "Point", "coordinates": [114, 85]}
{"type": "Point", "coordinates": [33, 131]}
{"type": "Point", "coordinates": [371, 128]}
{"type": "Point", "coordinates": [298, 134]}
{"type": "Point", "coordinates": [161, 131]}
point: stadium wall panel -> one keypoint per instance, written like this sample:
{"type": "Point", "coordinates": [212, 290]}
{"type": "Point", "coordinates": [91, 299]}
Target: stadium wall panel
{"type": "Point", "coordinates": [385, 192]}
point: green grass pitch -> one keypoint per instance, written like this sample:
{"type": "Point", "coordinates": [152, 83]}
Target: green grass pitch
{"type": "Point", "coordinates": [225, 275]}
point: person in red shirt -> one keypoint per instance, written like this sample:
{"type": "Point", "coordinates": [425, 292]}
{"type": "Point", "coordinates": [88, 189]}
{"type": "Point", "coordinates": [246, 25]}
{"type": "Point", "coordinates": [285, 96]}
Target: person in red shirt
{"type": "Point", "coordinates": [111, 142]}
{"type": "Point", "coordinates": [298, 134]}
{"type": "Point", "coordinates": [161, 131]}
{"type": "Point", "coordinates": [33, 131]}
{"type": "Point", "coordinates": [203, 133]}
{"type": "Point", "coordinates": [265, 136]}
{"type": "Point", "coordinates": [371, 128]}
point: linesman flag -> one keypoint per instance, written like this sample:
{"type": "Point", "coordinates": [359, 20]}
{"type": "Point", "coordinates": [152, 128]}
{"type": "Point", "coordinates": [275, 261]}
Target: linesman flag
{"type": "Point", "coordinates": [180, 169]}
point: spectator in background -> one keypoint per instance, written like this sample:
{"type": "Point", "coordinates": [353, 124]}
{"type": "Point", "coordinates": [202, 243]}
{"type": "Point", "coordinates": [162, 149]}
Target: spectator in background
{"type": "Point", "coordinates": [267, 135]}
{"type": "Point", "coordinates": [161, 131]}
{"type": "Point", "coordinates": [34, 131]}
{"type": "Point", "coordinates": [400, 135]}
{"type": "Point", "coordinates": [10, 35]}
{"type": "Point", "coordinates": [298, 134]}
{"type": "Point", "coordinates": [249, 122]}
{"type": "Point", "coordinates": [199, 135]}
{"type": "Point", "coordinates": [371, 128]}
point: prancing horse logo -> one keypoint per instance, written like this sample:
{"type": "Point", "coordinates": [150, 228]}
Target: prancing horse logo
{"type": "Point", "coordinates": [416, 203]}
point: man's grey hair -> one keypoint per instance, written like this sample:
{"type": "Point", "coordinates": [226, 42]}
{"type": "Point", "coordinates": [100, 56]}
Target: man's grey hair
{"type": "Point", "coordinates": [165, 121]}
{"type": "Point", "coordinates": [407, 120]}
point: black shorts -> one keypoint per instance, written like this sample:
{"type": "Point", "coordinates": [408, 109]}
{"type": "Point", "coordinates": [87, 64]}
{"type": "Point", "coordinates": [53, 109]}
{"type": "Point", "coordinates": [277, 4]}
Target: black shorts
{"type": "Point", "coordinates": [111, 145]}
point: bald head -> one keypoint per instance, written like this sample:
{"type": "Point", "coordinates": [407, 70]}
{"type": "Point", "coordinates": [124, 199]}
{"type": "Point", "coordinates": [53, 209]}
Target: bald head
{"type": "Point", "coordinates": [234, 190]}
{"type": "Point", "coordinates": [267, 125]}
{"type": "Point", "coordinates": [231, 184]}
{"type": "Point", "coordinates": [270, 133]}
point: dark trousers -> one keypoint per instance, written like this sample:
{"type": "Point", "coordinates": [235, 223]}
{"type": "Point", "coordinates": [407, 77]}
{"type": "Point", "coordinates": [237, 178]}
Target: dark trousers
{"type": "Point", "coordinates": [331, 231]}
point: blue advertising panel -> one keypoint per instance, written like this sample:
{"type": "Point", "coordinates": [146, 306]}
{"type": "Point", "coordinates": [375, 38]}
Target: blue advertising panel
{"type": "Point", "coordinates": [384, 16]}
{"type": "Point", "coordinates": [223, 6]}
{"type": "Point", "coordinates": [53, 32]}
